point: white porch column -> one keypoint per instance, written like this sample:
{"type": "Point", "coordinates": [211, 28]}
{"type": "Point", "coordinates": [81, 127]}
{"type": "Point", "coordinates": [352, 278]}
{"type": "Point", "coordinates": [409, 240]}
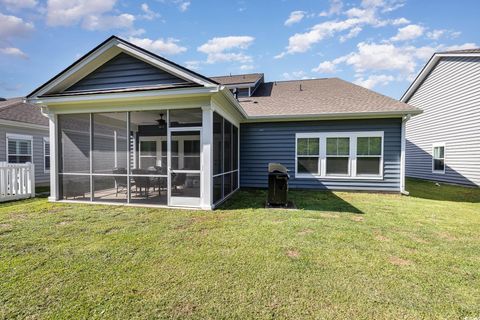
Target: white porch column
{"type": "Point", "coordinates": [207, 158]}
{"type": "Point", "coordinates": [54, 192]}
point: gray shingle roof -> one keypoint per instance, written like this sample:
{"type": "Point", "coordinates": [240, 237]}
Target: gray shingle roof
{"type": "Point", "coordinates": [463, 51]}
{"type": "Point", "coordinates": [238, 79]}
{"type": "Point", "coordinates": [319, 97]}
{"type": "Point", "coordinates": [16, 110]}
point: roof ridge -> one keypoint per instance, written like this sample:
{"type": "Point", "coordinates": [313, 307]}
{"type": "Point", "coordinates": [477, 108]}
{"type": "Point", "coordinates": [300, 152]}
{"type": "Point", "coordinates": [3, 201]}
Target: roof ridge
{"type": "Point", "coordinates": [298, 80]}
{"type": "Point", "coordinates": [236, 75]}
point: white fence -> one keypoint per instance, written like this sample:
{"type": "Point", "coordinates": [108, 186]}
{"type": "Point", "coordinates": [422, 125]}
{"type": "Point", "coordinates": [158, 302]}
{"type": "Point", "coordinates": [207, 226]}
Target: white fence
{"type": "Point", "coordinates": [17, 181]}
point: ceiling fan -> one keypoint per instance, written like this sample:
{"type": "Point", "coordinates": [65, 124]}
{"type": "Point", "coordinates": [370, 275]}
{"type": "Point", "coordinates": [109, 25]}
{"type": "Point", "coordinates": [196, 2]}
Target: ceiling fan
{"type": "Point", "coordinates": [161, 122]}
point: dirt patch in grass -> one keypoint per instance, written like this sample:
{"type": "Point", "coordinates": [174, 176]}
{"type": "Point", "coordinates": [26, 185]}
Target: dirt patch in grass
{"type": "Point", "coordinates": [446, 236]}
{"type": "Point", "coordinates": [184, 309]}
{"type": "Point", "coordinates": [5, 225]}
{"type": "Point", "coordinates": [64, 223]}
{"type": "Point", "coordinates": [381, 238]}
{"type": "Point", "coordinates": [293, 254]}
{"type": "Point", "coordinates": [399, 261]}
{"type": "Point", "coordinates": [357, 218]}
{"type": "Point", "coordinates": [305, 231]}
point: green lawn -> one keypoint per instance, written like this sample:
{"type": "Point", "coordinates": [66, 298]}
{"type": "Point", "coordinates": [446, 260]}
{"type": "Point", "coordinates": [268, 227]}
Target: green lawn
{"type": "Point", "coordinates": [342, 255]}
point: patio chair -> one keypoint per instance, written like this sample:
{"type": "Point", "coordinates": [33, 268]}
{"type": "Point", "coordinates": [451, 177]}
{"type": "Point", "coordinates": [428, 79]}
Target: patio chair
{"type": "Point", "coordinates": [120, 182]}
{"type": "Point", "coordinates": [142, 183]}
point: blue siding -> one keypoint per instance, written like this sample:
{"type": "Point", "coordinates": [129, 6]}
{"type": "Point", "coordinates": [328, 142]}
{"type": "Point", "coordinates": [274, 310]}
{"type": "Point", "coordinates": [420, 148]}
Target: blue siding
{"type": "Point", "coordinates": [261, 143]}
{"type": "Point", "coordinates": [124, 71]}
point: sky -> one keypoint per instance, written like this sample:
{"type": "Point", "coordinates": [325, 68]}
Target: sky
{"type": "Point", "coordinates": [378, 44]}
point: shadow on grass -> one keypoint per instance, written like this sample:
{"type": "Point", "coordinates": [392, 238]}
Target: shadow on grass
{"type": "Point", "coordinates": [305, 200]}
{"type": "Point", "coordinates": [442, 192]}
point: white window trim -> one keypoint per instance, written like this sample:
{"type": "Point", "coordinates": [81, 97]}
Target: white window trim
{"type": "Point", "coordinates": [45, 141]}
{"type": "Point", "coordinates": [15, 136]}
{"type": "Point", "coordinates": [435, 145]}
{"type": "Point", "coordinates": [352, 156]}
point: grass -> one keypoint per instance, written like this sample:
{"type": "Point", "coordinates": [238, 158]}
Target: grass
{"type": "Point", "coordinates": [341, 255]}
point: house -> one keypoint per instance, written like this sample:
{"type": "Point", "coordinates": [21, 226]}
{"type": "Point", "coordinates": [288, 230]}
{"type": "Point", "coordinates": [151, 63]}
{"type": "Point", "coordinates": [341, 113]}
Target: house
{"type": "Point", "coordinates": [128, 126]}
{"type": "Point", "coordinates": [24, 137]}
{"type": "Point", "coordinates": [443, 143]}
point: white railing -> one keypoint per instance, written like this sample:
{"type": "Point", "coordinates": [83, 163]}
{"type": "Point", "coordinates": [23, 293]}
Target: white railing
{"type": "Point", "coordinates": [17, 181]}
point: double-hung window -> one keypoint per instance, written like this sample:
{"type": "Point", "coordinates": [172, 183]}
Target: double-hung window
{"type": "Point", "coordinates": [19, 148]}
{"type": "Point", "coordinates": [369, 156]}
{"type": "Point", "coordinates": [438, 159]}
{"type": "Point", "coordinates": [338, 156]}
{"type": "Point", "coordinates": [308, 156]}
{"type": "Point", "coordinates": [46, 155]}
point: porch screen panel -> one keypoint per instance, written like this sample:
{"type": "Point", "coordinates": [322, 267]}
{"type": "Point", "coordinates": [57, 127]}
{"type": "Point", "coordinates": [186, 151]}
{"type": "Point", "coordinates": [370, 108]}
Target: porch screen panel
{"type": "Point", "coordinates": [110, 142]}
{"type": "Point", "coordinates": [74, 143]}
{"type": "Point", "coordinates": [225, 158]}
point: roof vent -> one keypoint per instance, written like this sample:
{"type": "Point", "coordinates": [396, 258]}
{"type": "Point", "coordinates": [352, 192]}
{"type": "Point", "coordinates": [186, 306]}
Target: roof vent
{"type": "Point", "coordinates": [255, 101]}
{"type": "Point", "coordinates": [2, 99]}
{"type": "Point", "coordinates": [301, 87]}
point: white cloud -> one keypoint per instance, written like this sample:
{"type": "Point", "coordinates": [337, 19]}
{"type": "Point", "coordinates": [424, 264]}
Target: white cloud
{"type": "Point", "coordinates": [11, 51]}
{"type": "Point", "coordinates": [67, 13]}
{"type": "Point", "coordinates": [296, 75]}
{"type": "Point", "coordinates": [399, 21]}
{"type": "Point", "coordinates": [468, 45]}
{"type": "Point", "coordinates": [90, 14]}
{"type": "Point", "coordinates": [193, 64]}
{"type": "Point", "coordinates": [351, 34]}
{"type": "Point", "coordinates": [335, 8]}
{"type": "Point", "coordinates": [15, 5]}
{"type": "Point", "coordinates": [183, 6]}
{"type": "Point", "coordinates": [374, 80]}
{"type": "Point", "coordinates": [160, 46]}
{"type": "Point", "coordinates": [295, 17]}
{"type": "Point", "coordinates": [246, 67]}
{"type": "Point", "coordinates": [12, 26]}
{"type": "Point", "coordinates": [357, 17]}
{"type": "Point", "coordinates": [326, 67]}
{"type": "Point", "coordinates": [409, 32]}
{"type": "Point", "coordinates": [219, 49]}
{"type": "Point", "coordinates": [122, 21]}
{"type": "Point", "coordinates": [148, 13]}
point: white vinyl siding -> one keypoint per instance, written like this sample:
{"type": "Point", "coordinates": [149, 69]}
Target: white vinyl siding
{"type": "Point", "coordinates": [450, 99]}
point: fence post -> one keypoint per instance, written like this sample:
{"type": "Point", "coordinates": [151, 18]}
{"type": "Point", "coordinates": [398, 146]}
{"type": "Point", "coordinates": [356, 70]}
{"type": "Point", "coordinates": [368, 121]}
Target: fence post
{"type": "Point", "coordinates": [32, 180]}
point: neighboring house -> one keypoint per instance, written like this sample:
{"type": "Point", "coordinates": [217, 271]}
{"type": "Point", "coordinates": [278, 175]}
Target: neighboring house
{"type": "Point", "coordinates": [130, 127]}
{"type": "Point", "coordinates": [443, 143]}
{"type": "Point", "coordinates": [24, 137]}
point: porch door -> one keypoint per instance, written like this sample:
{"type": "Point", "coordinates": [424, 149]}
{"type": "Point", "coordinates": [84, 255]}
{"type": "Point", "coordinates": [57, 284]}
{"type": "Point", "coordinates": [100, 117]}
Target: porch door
{"type": "Point", "coordinates": [184, 167]}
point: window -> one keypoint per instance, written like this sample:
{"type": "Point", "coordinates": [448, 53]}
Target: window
{"type": "Point", "coordinates": [19, 148]}
{"type": "Point", "coordinates": [438, 159]}
{"type": "Point", "coordinates": [369, 155]}
{"type": "Point", "coordinates": [46, 155]}
{"type": "Point", "coordinates": [148, 153]}
{"type": "Point", "coordinates": [338, 156]}
{"type": "Point", "coordinates": [308, 155]}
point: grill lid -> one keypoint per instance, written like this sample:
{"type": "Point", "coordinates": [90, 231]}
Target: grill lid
{"type": "Point", "coordinates": [277, 168]}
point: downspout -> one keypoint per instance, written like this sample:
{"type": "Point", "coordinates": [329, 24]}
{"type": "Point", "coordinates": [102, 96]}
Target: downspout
{"type": "Point", "coordinates": [402, 155]}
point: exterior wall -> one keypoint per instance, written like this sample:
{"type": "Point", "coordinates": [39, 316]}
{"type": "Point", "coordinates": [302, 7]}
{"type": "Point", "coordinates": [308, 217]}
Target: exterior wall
{"type": "Point", "coordinates": [450, 100]}
{"type": "Point", "coordinates": [41, 177]}
{"type": "Point", "coordinates": [124, 71]}
{"type": "Point", "coordinates": [262, 143]}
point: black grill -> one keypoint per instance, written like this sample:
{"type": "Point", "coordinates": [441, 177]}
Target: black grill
{"type": "Point", "coordinates": [277, 185]}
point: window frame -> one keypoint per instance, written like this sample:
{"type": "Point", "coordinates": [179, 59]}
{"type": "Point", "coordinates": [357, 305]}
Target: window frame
{"type": "Point", "coordinates": [370, 156]}
{"type": "Point", "coordinates": [352, 157]}
{"type": "Point", "coordinates": [439, 145]}
{"type": "Point", "coordinates": [297, 156]}
{"type": "Point", "coordinates": [46, 141]}
{"type": "Point", "coordinates": [14, 136]}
